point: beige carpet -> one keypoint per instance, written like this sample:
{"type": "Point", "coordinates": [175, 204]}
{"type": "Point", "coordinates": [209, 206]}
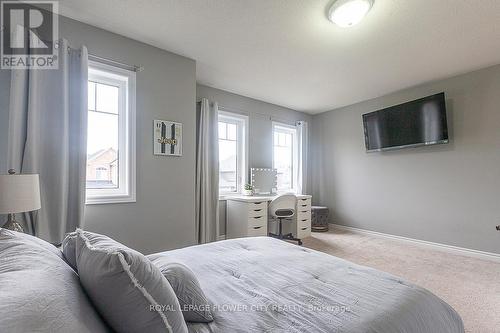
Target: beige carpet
{"type": "Point", "coordinates": [470, 285]}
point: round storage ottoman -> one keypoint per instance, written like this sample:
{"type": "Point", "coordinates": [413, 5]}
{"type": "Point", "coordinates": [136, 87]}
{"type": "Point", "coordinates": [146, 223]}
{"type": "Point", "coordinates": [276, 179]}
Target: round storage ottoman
{"type": "Point", "coordinates": [319, 219]}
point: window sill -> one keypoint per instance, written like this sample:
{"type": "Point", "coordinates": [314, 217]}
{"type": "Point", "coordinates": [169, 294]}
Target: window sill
{"type": "Point", "coordinates": [109, 200]}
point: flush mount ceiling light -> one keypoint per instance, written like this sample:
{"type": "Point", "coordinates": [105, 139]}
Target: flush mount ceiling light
{"type": "Point", "coordinates": [346, 13]}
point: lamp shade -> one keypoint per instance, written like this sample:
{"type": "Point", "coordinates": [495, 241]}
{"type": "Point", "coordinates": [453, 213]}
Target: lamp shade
{"type": "Point", "coordinates": [19, 193]}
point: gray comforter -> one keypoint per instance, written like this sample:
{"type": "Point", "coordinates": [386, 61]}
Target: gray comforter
{"type": "Point", "coordinates": [265, 285]}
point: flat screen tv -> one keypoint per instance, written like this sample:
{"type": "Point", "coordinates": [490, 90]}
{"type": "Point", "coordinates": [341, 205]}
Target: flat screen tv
{"type": "Point", "coordinates": [417, 123]}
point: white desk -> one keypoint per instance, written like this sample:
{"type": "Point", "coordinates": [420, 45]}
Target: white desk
{"type": "Point", "coordinates": [247, 216]}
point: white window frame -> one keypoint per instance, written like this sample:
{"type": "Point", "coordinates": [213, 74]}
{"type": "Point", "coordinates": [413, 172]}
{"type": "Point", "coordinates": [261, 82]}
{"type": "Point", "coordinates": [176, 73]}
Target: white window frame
{"type": "Point", "coordinates": [126, 82]}
{"type": "Point", "coordinates": [241, 122]}
{"type": "Point", "coordinates": [289, 129]}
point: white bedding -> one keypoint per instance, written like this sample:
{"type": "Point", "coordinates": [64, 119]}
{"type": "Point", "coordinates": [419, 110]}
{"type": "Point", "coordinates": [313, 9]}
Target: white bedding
{"type": "Point", "coordinates": [266, 285]}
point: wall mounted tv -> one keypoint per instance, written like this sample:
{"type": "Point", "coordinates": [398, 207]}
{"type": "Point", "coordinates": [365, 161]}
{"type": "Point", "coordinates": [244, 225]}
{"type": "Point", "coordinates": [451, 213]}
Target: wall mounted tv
{"type": "Point", "coordinates": [417, 123]}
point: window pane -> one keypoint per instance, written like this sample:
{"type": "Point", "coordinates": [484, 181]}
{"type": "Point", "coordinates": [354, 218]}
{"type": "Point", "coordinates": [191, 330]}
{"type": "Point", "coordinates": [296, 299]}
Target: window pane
{"type": "Point", "coordinates": [102, 151]}
{"type": "Point", "coordinates": [91, 94]}
{"type": "Point", "coordinates": [222, 130]}
{"type": "Point", "coordinates": [107, 98]}
{"type": "Point", "coordinates": [228, 166]}
{"type": "Point", "coordinates": [283, 153]}
{"type": "Point", "coordinates": [283, 164]}
{"type": "Point", "coordinates": [231, 131]}
{"type": "Point", "coordinates": [282, 139]}
{"type": "Point", "coordinates": [288, 140]}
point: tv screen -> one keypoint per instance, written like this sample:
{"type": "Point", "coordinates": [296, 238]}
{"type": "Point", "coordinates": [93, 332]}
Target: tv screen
{"type": "Point", "coordinates": [416, 123]}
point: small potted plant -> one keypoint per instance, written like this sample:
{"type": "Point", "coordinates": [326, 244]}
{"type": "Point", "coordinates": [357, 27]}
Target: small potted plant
{"type": "Point", "coordinates": [248, 189]}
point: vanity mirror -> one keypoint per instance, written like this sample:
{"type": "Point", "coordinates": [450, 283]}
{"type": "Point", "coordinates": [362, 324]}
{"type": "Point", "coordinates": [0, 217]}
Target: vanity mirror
{"type": "Point", "coordinates": [264, 180]}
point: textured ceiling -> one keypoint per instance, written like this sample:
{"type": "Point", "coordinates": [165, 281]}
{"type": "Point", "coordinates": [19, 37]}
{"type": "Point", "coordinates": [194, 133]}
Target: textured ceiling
{"type": "Point", "coordinates": [286, 52]}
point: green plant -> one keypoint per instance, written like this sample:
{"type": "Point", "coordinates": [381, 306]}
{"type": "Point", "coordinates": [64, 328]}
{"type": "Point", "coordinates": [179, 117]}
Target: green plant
{"type": "Point", "coordinates": [248, 187]}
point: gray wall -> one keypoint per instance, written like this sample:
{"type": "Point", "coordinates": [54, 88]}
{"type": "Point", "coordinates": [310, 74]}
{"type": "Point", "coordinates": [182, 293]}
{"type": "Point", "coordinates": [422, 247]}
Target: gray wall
{"type": "Point", "coordinates": [163, 216]}
{"type": "Point", "coordinates": [261, 115]}
{"type": "Point", "coordinates": [4, 123]}
{"type": "Point", "coordinates": [447, 194]}
{"type": "Point", "coordinates": [4, 117]}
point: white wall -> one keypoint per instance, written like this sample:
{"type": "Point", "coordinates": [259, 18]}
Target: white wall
{"type": "Point", "coordinates": [447, 194]}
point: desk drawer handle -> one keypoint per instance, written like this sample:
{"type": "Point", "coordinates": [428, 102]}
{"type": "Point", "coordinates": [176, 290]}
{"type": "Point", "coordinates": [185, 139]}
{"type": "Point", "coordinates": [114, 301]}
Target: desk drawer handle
{"type": "Point", "coordinates": [304, 205]}
{"type": "Point", "coordinates": [257, 203]}
{"type": "Point", "coordinates": [257, 227]}
{"type": "Point", "coordinates": [304, 211]}
{"type": "Point", "coordinates": [304, 229]}
{"type": "Point", "coordinates": [303, 199]}
{"type": "Point", "coordinates": [257, 210]}
{"type": "Point", "coordinates": [304, 220]}
{"type": "Point", "coordinates": [257, 217]}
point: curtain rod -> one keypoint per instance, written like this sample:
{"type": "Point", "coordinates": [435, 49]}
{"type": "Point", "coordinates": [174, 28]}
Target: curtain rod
{"type": "Point", "coordinates": [284, 120]}
{"type": "Point", "coordinates": [122, 65]}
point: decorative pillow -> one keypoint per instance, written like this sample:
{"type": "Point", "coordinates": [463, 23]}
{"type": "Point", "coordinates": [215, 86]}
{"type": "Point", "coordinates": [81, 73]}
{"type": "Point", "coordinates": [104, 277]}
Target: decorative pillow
{"type": "Point", "coordinates": [128, 290]}
{"type": "Point", "coordinates": [39, 291]}
{"type": "Point", "coordinates": [194, 304]}
{"type": "Point", "coordinates": [69, 249]}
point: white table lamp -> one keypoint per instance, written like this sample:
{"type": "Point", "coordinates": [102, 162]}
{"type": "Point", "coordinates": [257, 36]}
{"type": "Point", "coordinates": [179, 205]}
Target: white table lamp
{"type": "Point", "coordinates": [18, 194]}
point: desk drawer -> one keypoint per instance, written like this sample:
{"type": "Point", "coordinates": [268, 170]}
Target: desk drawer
{"type": "Point", "coordinates": [304, 203]}
{"type": "Point", "coordinates": [303, 223]}
{"type": "Point", "coordinates": [257, 211]}
{"type": "Point", "coordinates": [304, 214]}
{"type": "Point", "coordinates": [257, 221]}
{"type": "Point", "coordinates": [303, 232]}
{"type": "Point", "coordinates": [257, 205]}
{"type": "Point", "coordinates": [257, 231]}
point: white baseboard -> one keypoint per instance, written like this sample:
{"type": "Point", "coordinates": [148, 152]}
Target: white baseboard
{"type": "Point", "coordinates": [448, 248]}
{"type": "Point", "coordinates": [221, 237]}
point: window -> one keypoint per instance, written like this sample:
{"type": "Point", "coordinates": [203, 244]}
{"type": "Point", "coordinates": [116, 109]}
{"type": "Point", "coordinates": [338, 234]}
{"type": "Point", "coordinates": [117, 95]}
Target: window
{"type": "Point", "coordinates": [285, 156]}
{"type": "Point", "coordinates": [232, 152]}
{"type": "Point", "coordinates": [111, 135]}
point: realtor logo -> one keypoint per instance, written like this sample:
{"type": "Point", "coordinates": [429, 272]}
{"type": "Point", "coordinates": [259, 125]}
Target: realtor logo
{"type": "Point", "coordinates": [29, 35]}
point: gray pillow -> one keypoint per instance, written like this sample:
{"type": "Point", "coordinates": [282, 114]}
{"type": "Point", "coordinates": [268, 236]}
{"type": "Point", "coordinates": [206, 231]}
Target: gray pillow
{"type": "Point", "coordinates": [128, 290]}
{"type": "Point", "coordinates": [39, 291]}
{"type": "Point", "coordinates": [38, 241]}
{"type": "Point", "coordinates": [69, 249]}
{"type": "Point", "coordinates": [194, 304]}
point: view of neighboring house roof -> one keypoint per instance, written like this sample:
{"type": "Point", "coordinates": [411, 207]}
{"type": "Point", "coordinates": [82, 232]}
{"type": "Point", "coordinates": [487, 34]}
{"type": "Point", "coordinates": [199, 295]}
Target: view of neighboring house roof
{"type": "Point", "coordinates": [99, 153]}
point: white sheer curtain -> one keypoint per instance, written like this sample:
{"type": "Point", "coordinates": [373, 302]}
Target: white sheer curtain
{"type": "Point", "coordinates": [48, 136]}
{"type": "Point", "coordinates": [207, 171]}
{"type": "Point", "coordinates": [302, 135]}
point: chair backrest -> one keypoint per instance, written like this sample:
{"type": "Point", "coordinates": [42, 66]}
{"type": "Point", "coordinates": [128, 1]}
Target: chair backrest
{"type": "Point", "coordinates": [283, 206]}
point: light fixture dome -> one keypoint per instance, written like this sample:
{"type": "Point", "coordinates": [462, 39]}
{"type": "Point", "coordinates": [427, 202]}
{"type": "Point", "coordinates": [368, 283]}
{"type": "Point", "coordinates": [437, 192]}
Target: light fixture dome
{"type": "Point", "coordinates": [346, 13]}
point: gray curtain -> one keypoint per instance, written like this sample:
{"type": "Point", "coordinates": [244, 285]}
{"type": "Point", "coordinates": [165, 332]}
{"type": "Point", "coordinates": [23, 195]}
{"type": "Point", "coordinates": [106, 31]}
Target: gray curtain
{"type": "Point", "coordinates": [48, 136]}
{"type": "Point", "coordinates": [207, 171]}
{"type": "Point", "coordinates": [303, 145]}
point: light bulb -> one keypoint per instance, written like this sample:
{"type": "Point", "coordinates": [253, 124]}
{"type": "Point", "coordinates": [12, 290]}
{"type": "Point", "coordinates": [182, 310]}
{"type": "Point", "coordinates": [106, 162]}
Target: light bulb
{"type": "Point", "coordinates": [346, 13]}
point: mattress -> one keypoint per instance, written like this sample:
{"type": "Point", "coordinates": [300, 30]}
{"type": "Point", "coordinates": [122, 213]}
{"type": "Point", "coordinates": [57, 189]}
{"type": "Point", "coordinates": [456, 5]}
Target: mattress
{"type": "Point", "coordinates": [265, 285]}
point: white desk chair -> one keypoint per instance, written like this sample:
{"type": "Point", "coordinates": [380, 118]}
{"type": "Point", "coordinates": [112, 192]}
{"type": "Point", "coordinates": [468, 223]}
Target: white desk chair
{"type": "Point", "coordinates": [283, 207]}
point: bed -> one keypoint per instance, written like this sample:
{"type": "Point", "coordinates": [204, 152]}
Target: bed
{"type": "Point", "coordinates": [265, 285]}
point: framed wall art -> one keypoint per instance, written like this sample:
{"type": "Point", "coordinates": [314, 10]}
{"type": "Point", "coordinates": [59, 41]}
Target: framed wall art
{"type": "Point", "coordinates": [167, 138]}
